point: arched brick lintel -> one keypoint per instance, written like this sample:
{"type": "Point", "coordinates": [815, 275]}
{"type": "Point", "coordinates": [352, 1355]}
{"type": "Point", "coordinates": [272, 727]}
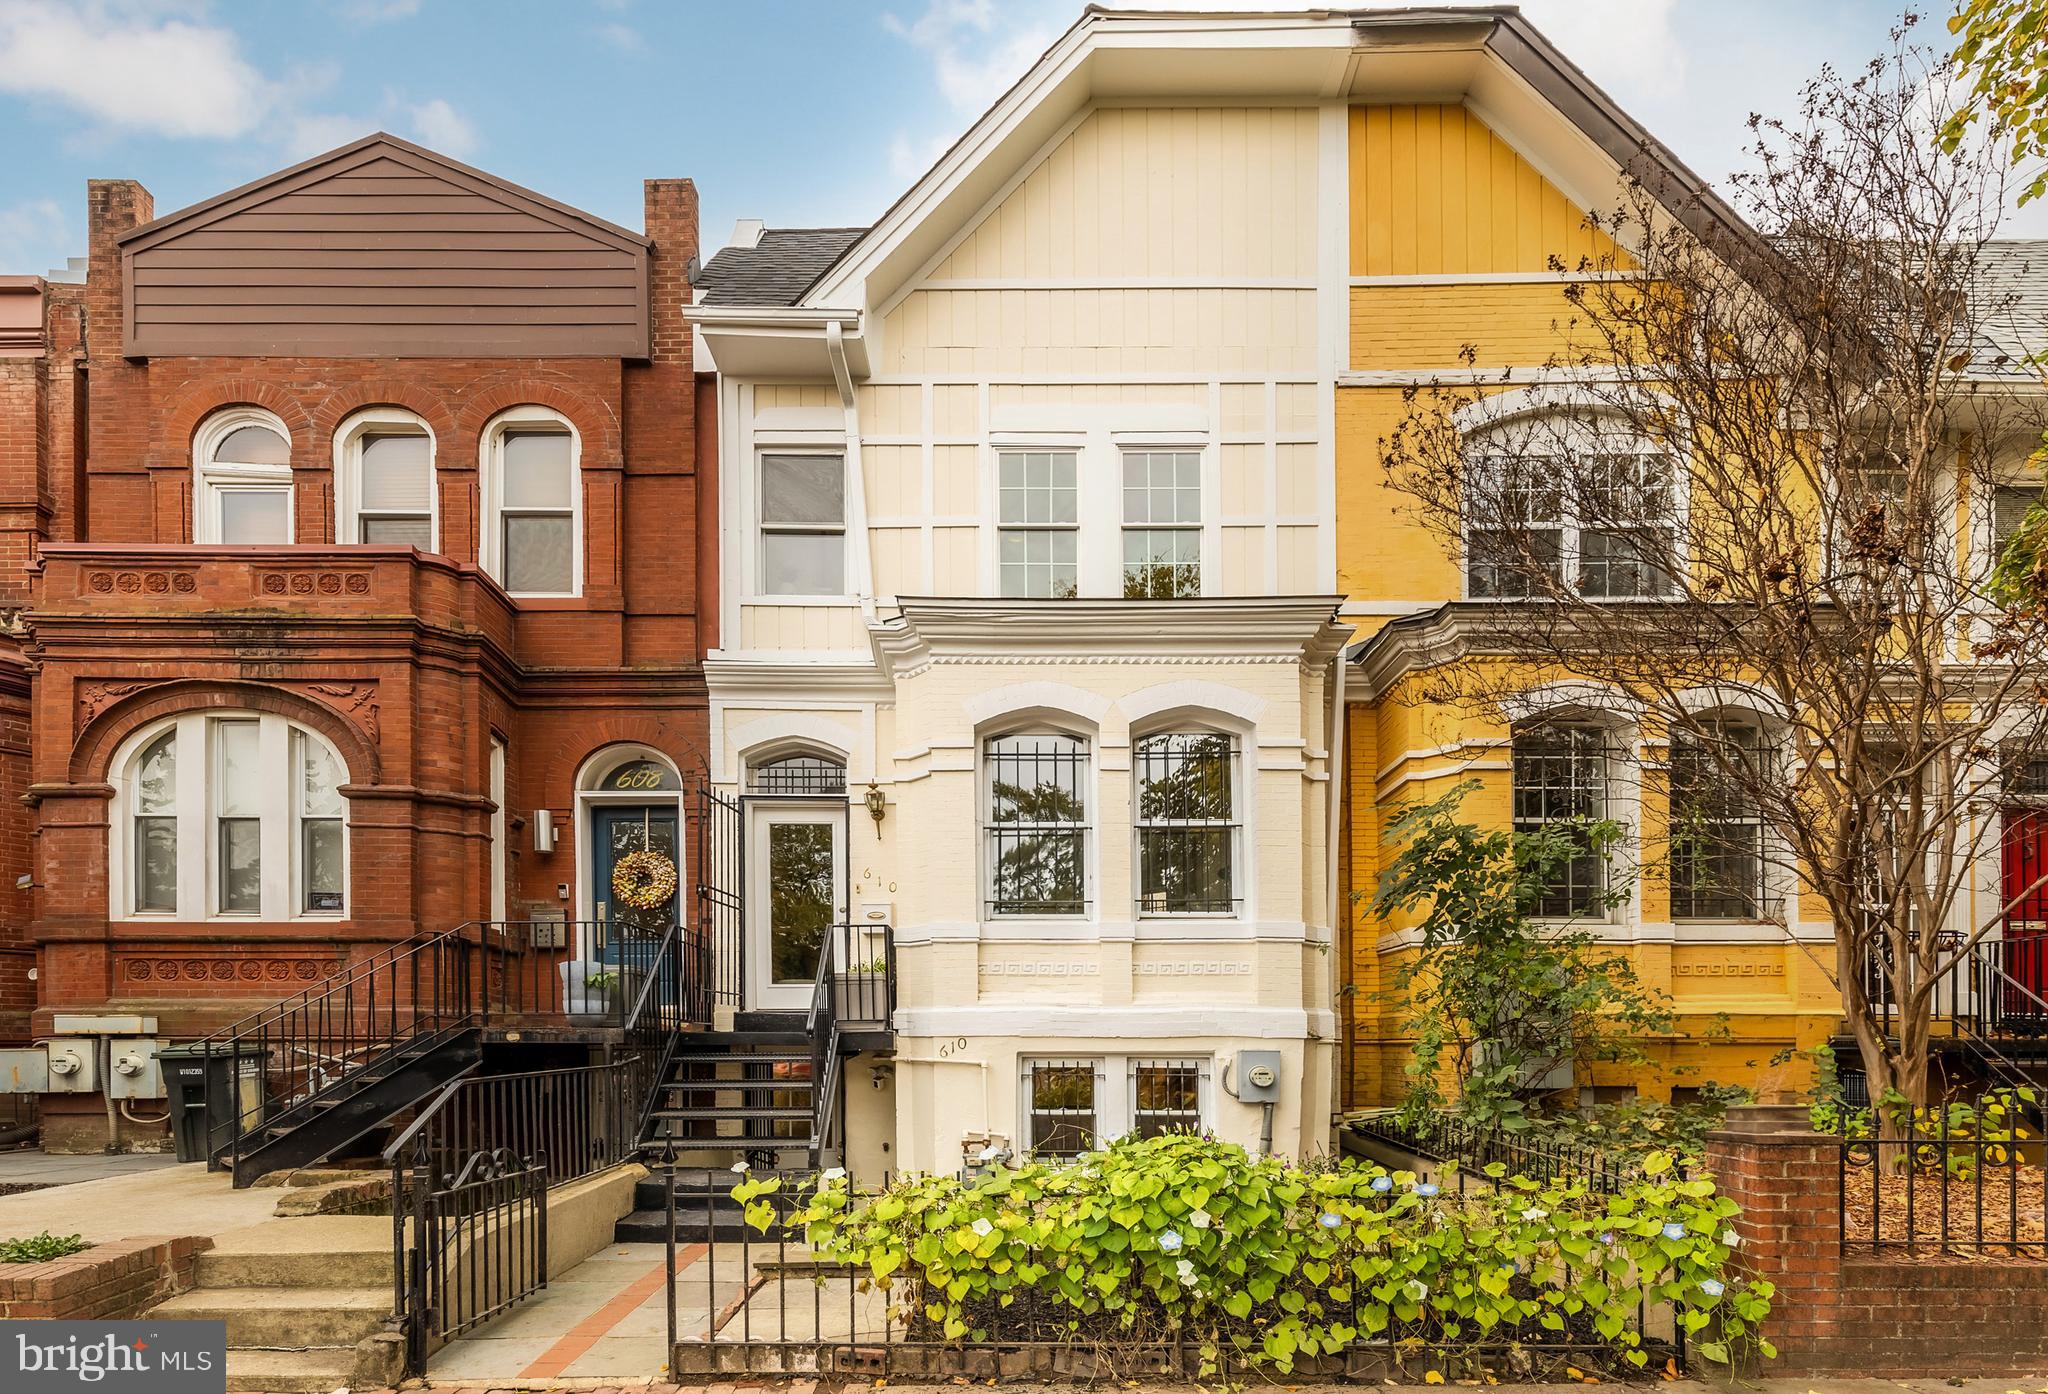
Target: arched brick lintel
{"type": "Point", "coordinates": [96, 744]}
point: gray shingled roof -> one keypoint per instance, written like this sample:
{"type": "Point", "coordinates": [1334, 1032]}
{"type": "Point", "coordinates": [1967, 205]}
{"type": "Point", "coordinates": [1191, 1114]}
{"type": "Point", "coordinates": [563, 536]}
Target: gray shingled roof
{"type": "Point", "coordinates": [2015, 307]}
{"type": "Point", "coordinates": [778, 269]}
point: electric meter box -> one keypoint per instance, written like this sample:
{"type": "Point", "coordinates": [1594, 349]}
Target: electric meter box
{"type": "Point", "coordinates": [74, 1064]}
{"type": "Point", "coordinates": [25, 1071]}
{"type": "Point", "coordinates": [1258, 1076]}
{"type": "Point", "coordinates": [133, 1071]}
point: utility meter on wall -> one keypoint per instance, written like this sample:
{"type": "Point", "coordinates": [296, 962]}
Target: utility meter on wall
{"type": "Point", "coordinates": [1258, 1076]}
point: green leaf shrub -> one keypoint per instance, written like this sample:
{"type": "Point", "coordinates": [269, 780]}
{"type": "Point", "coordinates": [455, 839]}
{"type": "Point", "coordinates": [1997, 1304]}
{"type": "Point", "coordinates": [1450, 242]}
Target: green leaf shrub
{"type": "Point", "coordinates": [1258, 1261]}
{"type": "Point", "coordinates": [37, 1248]}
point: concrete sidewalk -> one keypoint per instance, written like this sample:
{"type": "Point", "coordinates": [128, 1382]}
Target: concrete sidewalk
{"type": "Point", "coordinates": [128, 1200]}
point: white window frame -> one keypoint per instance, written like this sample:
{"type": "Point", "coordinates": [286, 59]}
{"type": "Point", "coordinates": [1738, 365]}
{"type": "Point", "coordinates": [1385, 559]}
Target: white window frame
{"type": "Point", "coordinates": [500, 873]}
{"type": "Point", "coordinates": [1090, 824]}
{"type": "Point", "coordinates": [196, 803]}
{"type": "Point", "coordinates": [1770, 893]}
{"type": "Point", "coordinates": [1197, 529]}
{"type": "Point", "coordinates": [348, 470]}
{"type": "Point", "coordinates": [211, 480]}
{"type": "Point", "coordinates": [491, 552]}
{"type": "Point", "coordinates": [758, 572]}
{"type": "Point", "coordinates": [1610, 758]}
{"type": "Point", "coordinates": [1512, 439]}
{"type": "Point", "coordinates": [1116, 1089]}
{"type": "Point", "coordinates": [1239, 881]}
{"type": "Point", "coordinates": [1078, 452]}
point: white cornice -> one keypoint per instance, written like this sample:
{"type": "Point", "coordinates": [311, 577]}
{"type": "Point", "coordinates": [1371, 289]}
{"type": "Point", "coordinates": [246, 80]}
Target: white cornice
{"type": "Point", "coordinates": [1277, 629]}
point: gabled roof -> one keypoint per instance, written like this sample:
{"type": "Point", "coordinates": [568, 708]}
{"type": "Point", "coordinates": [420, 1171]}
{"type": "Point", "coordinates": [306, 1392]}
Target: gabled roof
{"type": "Point", "coordinates": [777, 269]}
{"type": "Point", "coordinates": [1488, 55]}
{"type": "Point", "coordinates": [379, 145]}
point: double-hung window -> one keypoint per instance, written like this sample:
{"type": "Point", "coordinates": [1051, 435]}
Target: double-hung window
{"type": "Point", "coordinates": [2010, 504]}
{"type": "Point", "coordinates": [533, 543]}
{"type": "Point", "coordinates": [1038, 522]}
{"type": "Point", "coordinates": [803, 525]}
{"type": "Point", "coordinates": [1186, 823]}
{"type": "Point", "coordinates": [1162, 524]}
{"type": "Point", "coordinates": [1602, 522]}
{"type": "Point", "coordinates": [1037, 828]}
{"type": "Point", "coordinates": [387, 481]}
{"type": "Point", "coordinates": [1717, 831]}
{"type": "Point", "coordinates": [1560, 777]}
{"type": "Point", "coordinates": [243, 477]}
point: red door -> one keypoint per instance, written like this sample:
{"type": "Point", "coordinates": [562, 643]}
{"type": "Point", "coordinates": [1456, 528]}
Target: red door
{"type": "Point", "coordinates": [2024, 881]}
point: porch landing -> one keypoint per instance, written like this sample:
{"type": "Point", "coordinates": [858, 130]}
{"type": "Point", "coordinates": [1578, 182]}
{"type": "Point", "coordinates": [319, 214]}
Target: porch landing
{"type": "Point", "coordinates": [181, 1198]}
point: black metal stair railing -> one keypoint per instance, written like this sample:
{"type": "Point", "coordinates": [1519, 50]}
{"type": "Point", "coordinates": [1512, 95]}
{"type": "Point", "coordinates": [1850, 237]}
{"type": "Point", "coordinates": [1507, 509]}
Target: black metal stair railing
{"type": "Point", "coordinates": [1982, 992]}
{"type": "Point", "coordinates": [855, 989]}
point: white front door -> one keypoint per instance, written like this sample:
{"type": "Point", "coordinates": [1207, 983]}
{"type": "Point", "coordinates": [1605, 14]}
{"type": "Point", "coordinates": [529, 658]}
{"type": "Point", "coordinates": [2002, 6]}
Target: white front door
{"type": "Point", "coordinates": [795, 858]}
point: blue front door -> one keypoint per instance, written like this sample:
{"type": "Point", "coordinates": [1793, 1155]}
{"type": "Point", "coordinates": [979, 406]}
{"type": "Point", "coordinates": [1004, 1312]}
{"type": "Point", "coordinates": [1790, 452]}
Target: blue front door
{"type": "Point", "coordinates": [619, 894]}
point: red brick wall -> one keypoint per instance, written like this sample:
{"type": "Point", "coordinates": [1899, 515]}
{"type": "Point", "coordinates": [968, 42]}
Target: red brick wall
{"type": "Point", "coordinates": [108, 1282]}
{"type": "Point", "coordinates": [410, 676]}
{"type": "Point", "coordinates": [1905, 1317]}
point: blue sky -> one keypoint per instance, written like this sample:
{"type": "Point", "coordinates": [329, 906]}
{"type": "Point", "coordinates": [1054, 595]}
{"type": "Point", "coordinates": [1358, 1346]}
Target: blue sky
{"type": "Point", "coordinates": [803, 112]}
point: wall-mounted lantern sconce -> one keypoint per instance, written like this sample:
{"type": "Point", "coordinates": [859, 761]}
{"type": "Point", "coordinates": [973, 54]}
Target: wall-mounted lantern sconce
{"type": "Point", "coordinates": [543, 830]}
{"type": "Point", "coordinates": [878, 805]}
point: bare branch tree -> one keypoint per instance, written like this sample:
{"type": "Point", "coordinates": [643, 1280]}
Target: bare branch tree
{"type": "Point", "coordinates": [1756, 505]}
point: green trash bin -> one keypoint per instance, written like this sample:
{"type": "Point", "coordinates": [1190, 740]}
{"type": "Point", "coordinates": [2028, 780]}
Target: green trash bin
{"type": "Point", "coordinates": [208, 1087]}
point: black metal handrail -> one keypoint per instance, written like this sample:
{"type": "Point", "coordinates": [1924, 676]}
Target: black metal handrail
{"type": "Point", "coordinates": [1981, 991]}
{"type": "Point", "coordinates": [855, 987]}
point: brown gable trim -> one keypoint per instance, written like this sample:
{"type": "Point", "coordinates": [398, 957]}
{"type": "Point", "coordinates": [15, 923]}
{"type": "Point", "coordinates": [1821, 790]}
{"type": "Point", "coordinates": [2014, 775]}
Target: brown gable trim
{"type": "Point", "coordinates": [383, 145]}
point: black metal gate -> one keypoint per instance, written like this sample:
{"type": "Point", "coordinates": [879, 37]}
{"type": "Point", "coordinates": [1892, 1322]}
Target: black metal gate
{"type": "Point", "coordinates": [721, 892]}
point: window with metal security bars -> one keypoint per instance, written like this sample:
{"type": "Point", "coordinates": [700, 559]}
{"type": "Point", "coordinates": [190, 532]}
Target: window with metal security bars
{"type": "Point", "coordinates": [1037, 524]}
{"type": "Point", "coordinates": [1166, 1096]}
{"type": "Point", "coordinates": [1061, 1099]}
{"type": "Point", "coordinates": [797, 774]}
{"type": "Point", "coordinates": [1037, 824]}
{"type": "Point", "coordinates": [1717, 831]}
{"type": "Point", "coordinates": [1187, 823]}
{"type": "Point", "coordinates": [1560, 777]}
{"type": "Point", "coordinates": [1162, 524]}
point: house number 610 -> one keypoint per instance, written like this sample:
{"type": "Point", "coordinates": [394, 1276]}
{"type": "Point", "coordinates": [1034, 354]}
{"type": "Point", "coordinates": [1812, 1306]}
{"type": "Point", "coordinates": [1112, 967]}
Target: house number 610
{"type": "Point", "coordinates": [952, 1048]}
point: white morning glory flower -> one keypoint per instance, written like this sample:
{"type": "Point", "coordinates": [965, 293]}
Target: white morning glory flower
{"type": "Point", "coordinates": [1535, 1212]}
{"type": "Point", "coordinates": [1330, 1219]}
{"type": "Point", "coordinates": [1199, 1219]}
{"type": "Point", "coordinates": [1186, 1272]}
{"type": "Point", "coordinates": [1416, 1290]}
{"type": "Point", "coordinates": [1713, 1287]}
{"type": "Point", "coordinates": [1674, 1230]}
{"type": "Point", "coordinates": [1731, 1239]}
{"type": "Point", "coordinates": [1169, 1240]}
{"type": "Point", "coordinates": [982, 1227]}
{"type": "Point", "coordinates": [834, 1173]}
{"type": "Point", "coordinates": [1382, 1184]}
{"type": "Point", "coordinates": [740, 1166]}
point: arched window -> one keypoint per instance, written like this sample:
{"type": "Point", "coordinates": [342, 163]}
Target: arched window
{"type": "Point", "coordinates": [1037, 823]}
{"type": "Point", "coordinates": [800, 773]}
{"type": "Point", "coordinates": [533, 537]}
{"type": "Point", "coordinates": [1557, 500]}
{"type": "Point", "coordinates": [384, 468]}
{"type": "Point", "coordinates": [1719, 862]}
{"type": "Point", "coordinates": [242, 479]}
{"type": "Point", "coordinates": [1186, 814]}
{"type": "Point", "coordinates": [231, 814]}
{"type": "Point", "coordinates": [1561, 776]}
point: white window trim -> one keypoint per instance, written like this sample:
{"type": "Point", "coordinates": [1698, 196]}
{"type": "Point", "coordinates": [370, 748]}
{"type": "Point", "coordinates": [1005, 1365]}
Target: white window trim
{"type": "Point", "coordinates": [1127, 447]}
{"type": "Point", "coordinates": [757, 562]}
{"type": "Point", "coordinates": [1621, 798]}
{"type": "Point", "coordinates": [1098, 452]}
{"type": "Point", "coordinates": [499, 848]}
{"type": "Point", "coordinates": [1777, 881]}
{"type": "Point", "coordinates": [211, 480]}
{"type": "Point", "coordinates": [1091, 823]}
{"type": "Point", "coordinates": [492, 465]}
{"type": "Point", "coordinates": [348, 465]}
{"type": "Point", "coordinates": [1577, 434]}
{"type": "Point", "coordinates": [1116, 1090]}
{"type": "Point", "coordinates": [195, 803]}
{"type": "Point", "coordinates": [1241, 805]}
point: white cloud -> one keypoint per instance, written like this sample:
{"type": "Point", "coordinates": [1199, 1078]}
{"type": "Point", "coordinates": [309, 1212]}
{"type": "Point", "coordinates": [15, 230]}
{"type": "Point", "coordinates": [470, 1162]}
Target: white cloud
{"type": "Point", "coordinates": [975, 55]}
{"type": "Point", "coordinates": [441, 127]}
{"type": "Point", "coordinates": [35, 236]}
{"type": "Point", "coordinates": [307, 136]}
{"type": "Point", "coordinates": [1629, 47]}
{"type": "Point", "coordinates": [127, 67]}
{"type": "Point", "coordinates": [623, 37]}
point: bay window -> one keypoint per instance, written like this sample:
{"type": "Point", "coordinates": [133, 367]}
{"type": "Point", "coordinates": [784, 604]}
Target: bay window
{"type": "Point", "coordinates": [1037, 825]}
{"type": "Point", "coordinates": [1560, 778]}
{"type": "Point", "coordinates": [1717, 831]}
{"type": "Point", "coordinates": [1186, 823]}
{"type": "Point", "coordinates": [231, 815]}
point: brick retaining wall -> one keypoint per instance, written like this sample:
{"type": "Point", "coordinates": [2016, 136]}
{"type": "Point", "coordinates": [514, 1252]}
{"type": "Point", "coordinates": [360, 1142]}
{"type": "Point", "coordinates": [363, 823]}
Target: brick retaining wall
{"type": "Point", "coordinates": [109, 1281]}
{"type": "Point", "coordinates": [1900, 1316]}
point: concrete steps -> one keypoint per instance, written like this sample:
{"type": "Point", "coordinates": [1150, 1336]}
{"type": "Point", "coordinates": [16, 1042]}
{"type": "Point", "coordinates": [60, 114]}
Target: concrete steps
{"type": "Point", "coordinates": [291, 1371]}
{"type": "Point", "coordinates": [292, 1318]}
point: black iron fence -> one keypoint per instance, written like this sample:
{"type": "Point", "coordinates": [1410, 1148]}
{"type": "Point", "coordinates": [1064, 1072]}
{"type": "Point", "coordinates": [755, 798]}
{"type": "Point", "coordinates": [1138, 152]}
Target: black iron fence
{"type": "Point", "coordinates": [1963, 1177]}
{"type": "Point", "coordinates": [1994, 989]}
{"type": "Point", "coordinates": [1446, 1138]}
{"type": "Point", "coordinates": [855, 989]}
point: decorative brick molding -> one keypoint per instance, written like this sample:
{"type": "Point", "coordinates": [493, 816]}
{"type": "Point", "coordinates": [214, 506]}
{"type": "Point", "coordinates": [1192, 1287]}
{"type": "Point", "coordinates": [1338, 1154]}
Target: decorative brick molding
{"type": "Point", "coordinates": [108, 1282]}
{"type": "Point", "coordinates": [1906, 1316]}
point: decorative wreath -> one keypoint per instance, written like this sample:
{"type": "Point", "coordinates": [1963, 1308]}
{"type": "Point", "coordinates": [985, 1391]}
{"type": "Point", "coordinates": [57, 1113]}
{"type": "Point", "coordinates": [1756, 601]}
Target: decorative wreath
{"type": "Point", "coordinates": [644, 880]}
